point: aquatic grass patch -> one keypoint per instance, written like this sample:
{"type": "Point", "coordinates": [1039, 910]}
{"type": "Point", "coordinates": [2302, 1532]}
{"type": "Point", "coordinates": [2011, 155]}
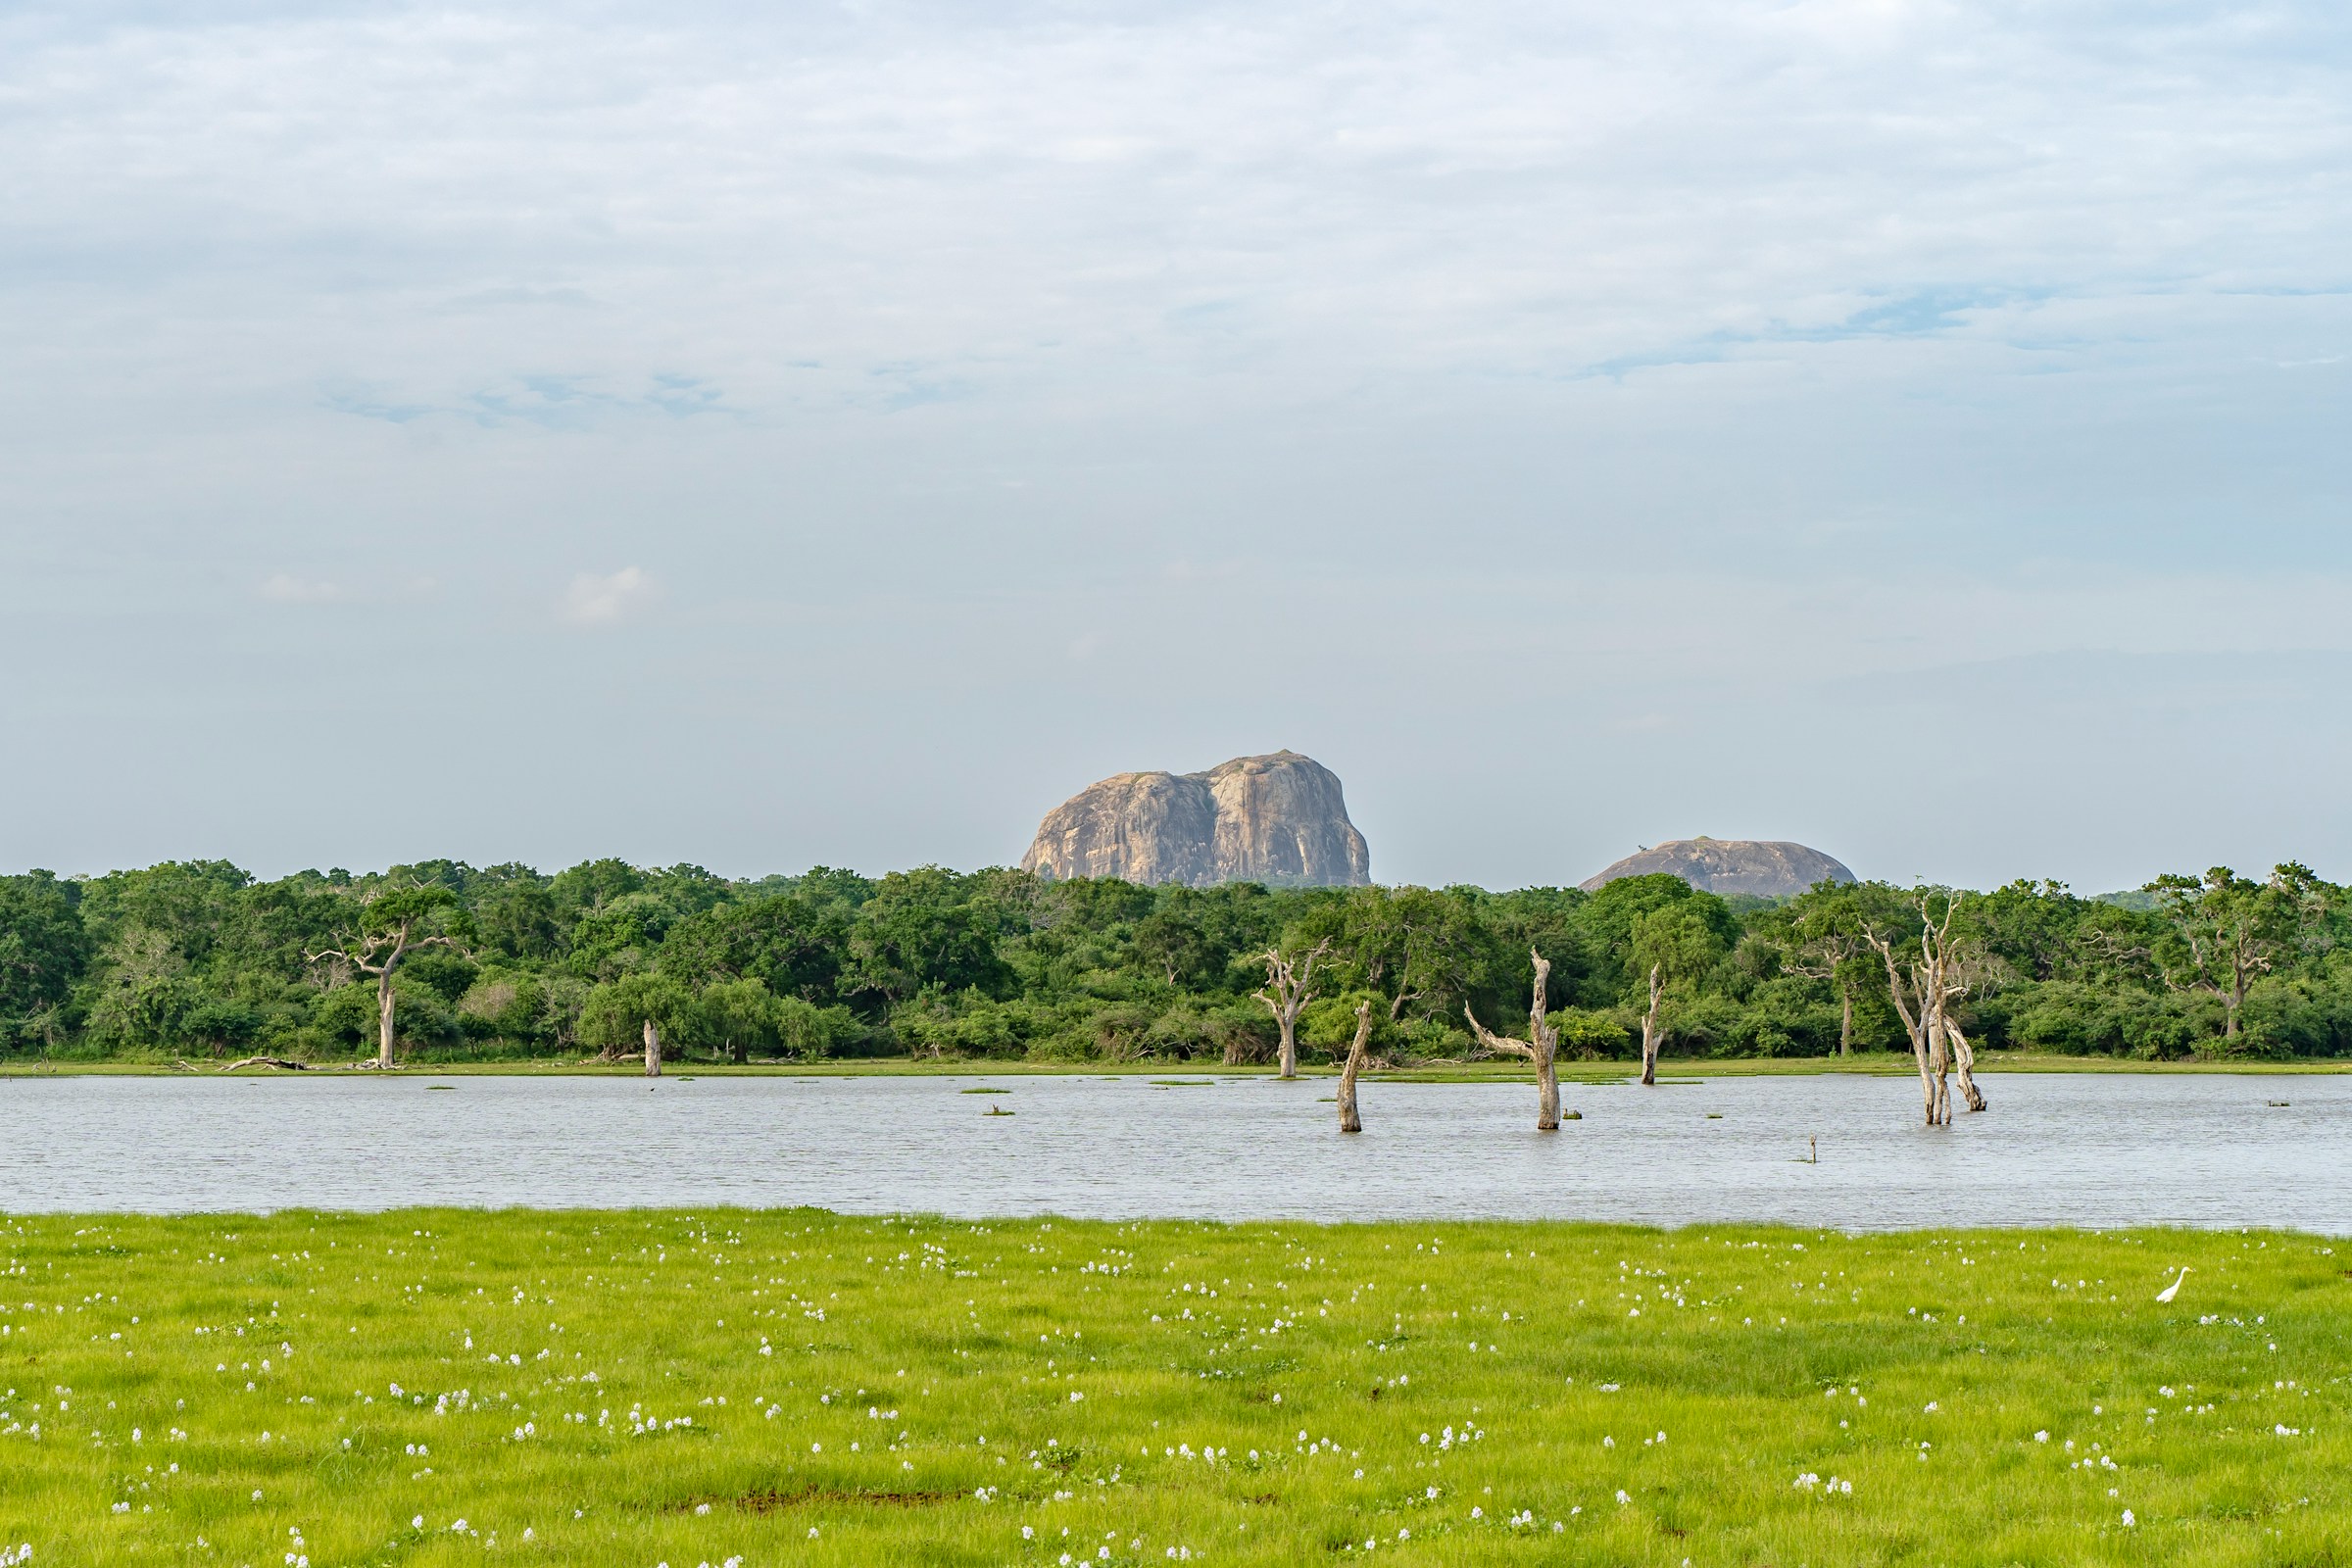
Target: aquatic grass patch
{"type": "Point", "coordinates": [797, 1387]}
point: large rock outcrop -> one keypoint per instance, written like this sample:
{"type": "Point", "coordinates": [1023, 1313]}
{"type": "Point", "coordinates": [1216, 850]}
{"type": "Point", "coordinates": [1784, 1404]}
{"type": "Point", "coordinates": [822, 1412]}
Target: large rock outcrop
{"type": "Point", "coordinates": [1278, 820]}
{"type": "Point", "coordinates": [1765, 867]}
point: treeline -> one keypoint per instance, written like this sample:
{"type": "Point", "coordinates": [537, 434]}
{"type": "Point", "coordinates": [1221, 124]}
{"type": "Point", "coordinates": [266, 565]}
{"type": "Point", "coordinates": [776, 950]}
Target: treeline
{"type": "Point", "coordinates": [197, 959]}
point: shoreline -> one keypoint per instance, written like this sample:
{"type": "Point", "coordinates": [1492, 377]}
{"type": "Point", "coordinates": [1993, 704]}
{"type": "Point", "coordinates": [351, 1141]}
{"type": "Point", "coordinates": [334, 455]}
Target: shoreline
{"type": "Point", "coordinates": [1876, 1066]}
{"type": "Point", "coordinates": [1491, 1228]}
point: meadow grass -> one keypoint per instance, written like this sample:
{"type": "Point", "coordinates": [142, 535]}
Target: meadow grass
{"type": "Point", "coordinates": [794, 1386]}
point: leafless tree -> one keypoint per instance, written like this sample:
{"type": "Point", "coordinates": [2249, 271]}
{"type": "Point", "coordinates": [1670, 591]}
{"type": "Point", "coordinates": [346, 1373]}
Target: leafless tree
{"type": "Point", "coordinates": [1289, 988]}
{"type": "Point", "coordinates": [1911, 1006]}
{"type": "Point", "coordinates": [1924, 988]}
{"type": "Point", "coordinates": [391, 929]}
{"type": "Point", "coordinates": [1350, 1121]}
{"type": "Point", "coordinates": [1540, 1046]}
{"type": "Point", "coordinates": [1650, 1026]}
{"type": "Point", "coordinates": [1964, 1055]}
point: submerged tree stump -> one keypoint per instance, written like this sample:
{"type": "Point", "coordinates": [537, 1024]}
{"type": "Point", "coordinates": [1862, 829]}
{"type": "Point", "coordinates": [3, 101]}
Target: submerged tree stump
{"type": "Point", "coordinates": [1649, 1027]}
{"type": "Point", "coordinates": [1350, 1121]}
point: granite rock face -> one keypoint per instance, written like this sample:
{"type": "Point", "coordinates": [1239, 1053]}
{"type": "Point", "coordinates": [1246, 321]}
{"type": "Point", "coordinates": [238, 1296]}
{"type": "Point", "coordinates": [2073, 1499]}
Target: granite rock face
{"type": "Point", "coordinates": [1140, 827]}
{"type": "Point", "coordinates": [1766, 867]}
{"type": "Point", "coordinates": [1278, 820]}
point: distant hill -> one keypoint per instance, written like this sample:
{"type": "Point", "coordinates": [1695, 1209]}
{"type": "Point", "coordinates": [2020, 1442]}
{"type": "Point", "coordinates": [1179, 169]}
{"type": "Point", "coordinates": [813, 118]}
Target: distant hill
{"type": "Point", "coordinates": [1767, 868]}
{"type": "Point", "coordinates": [1279, 819]}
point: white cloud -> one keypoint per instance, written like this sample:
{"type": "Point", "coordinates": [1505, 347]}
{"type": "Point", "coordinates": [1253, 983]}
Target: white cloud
{"type": "Point", "coordinates": [284, 588]}
{"type": "Point", "coordinates": [599, 601]}
{"type": "Point", "coordinates": [1674, 356]}
{"type": "Point", "coordinates": [945, 202]}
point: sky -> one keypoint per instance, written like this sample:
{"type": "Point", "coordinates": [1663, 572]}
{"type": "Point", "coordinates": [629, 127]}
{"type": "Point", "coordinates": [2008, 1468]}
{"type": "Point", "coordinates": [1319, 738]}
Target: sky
{"type": "Point", "coordinates": [764, 435]}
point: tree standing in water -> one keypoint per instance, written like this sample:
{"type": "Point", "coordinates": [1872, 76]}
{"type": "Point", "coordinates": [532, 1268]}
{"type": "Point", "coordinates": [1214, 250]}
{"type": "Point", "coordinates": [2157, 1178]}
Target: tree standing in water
{"type": "Point", "coordinates": [1541, 1047]}
{"type": "Point", "coordinates": [1290, 985]}
{"type": "Point", "coordinates": [1923, 999]}
{"type": "Point", "coordinates": [1350, 1121]}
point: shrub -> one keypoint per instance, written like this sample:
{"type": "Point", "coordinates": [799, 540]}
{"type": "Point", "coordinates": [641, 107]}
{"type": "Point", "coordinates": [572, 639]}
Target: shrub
{"type": "Point", "coordinates": [1591, 1034]}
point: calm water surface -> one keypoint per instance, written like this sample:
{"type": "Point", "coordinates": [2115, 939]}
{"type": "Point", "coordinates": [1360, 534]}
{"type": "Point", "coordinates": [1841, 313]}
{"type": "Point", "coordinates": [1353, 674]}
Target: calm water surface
{"type": "Point", "coordinates": [2055, 1149]}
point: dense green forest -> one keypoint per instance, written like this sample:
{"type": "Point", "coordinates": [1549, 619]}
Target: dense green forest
{"type": "Point", "coordinates": [197, 959]}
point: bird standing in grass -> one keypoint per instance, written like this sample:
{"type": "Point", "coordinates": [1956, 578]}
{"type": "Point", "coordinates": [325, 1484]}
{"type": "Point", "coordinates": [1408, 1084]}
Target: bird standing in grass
{"type": "Point", "coordinates": [2174, 1289]}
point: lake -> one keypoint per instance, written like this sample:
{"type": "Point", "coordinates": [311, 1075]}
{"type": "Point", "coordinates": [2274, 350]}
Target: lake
{"type": "Point", "coordinates": [2082, 1149]}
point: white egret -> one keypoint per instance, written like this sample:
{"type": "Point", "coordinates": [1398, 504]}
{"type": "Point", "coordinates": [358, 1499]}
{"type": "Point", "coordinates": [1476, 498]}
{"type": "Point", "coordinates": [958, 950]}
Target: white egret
{"type": "Point", "coordinates": [2174, 1289]}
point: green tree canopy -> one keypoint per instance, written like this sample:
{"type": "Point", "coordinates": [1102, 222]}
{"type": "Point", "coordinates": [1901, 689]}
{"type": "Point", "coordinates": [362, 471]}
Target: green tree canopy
{"type": "Point", "coordinates": [43, 948]}
{"type": "Point", "coordinates": [2224, 931]}
{"type": "Point", "coordinates": [196, 956]}
{"type": "Point", "coordinates": [613, 1017]}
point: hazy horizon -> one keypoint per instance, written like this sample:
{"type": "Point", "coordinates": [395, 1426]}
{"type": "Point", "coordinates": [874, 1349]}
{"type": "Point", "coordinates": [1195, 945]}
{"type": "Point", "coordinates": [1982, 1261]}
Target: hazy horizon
{"type": "Point", "coordinates": [840, 433]}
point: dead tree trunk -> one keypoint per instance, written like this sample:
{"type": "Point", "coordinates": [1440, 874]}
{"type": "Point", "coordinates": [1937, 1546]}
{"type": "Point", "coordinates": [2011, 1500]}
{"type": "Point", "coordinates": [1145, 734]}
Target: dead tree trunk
{"type": "Point", "coordinates": [383, 1013]}
{"type": "Point", "coordinates": [1915, 1025]}
{"type": "Point", "coordinates": [1940, 1056]}
{"type": "Point", "coordinates": [1938, 981]}
{"type": "Point", "coordinates": [1289, 988]}
{"type": "Point", "coordinates": [1942, 982]}
{"type": "Point", "coordinates": [1930, 1021]}
{"type": "Point", "coordinates": [1541, 1047]}
{"type": "Point", "coordinates": [1650, 1028]}
{"type": "Point", "coordinates": [2244, 964]}
{"type": "Point", "coordinates": [653, 1050]}
{"type": "Point", "coordinates": [1964, 1060]}
{"type": "Point", "coordinates": [1350, 1121]}
{"type": "Point", "coordinates": [380, 954]}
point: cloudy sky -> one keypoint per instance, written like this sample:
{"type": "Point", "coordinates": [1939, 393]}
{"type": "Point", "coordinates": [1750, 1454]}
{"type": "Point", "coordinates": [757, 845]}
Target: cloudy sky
{"type": "Point", "coordinates": [769, 434]}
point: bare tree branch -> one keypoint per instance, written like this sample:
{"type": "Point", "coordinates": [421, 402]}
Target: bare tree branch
{"type": "Point", "coordinates": [1500, 1044]}
{"type": "Point", "coordinates": [379, 954]}
{"type": "Point", "coordinates": [1289, 988]}
{"type": "Point", "coordinates": [1542, 1045]}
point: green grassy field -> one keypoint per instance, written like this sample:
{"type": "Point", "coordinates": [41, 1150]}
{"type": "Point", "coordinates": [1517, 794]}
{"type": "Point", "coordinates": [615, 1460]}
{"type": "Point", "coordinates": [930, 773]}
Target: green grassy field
{"type": "Point", "coordinates": [647, 1388]}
